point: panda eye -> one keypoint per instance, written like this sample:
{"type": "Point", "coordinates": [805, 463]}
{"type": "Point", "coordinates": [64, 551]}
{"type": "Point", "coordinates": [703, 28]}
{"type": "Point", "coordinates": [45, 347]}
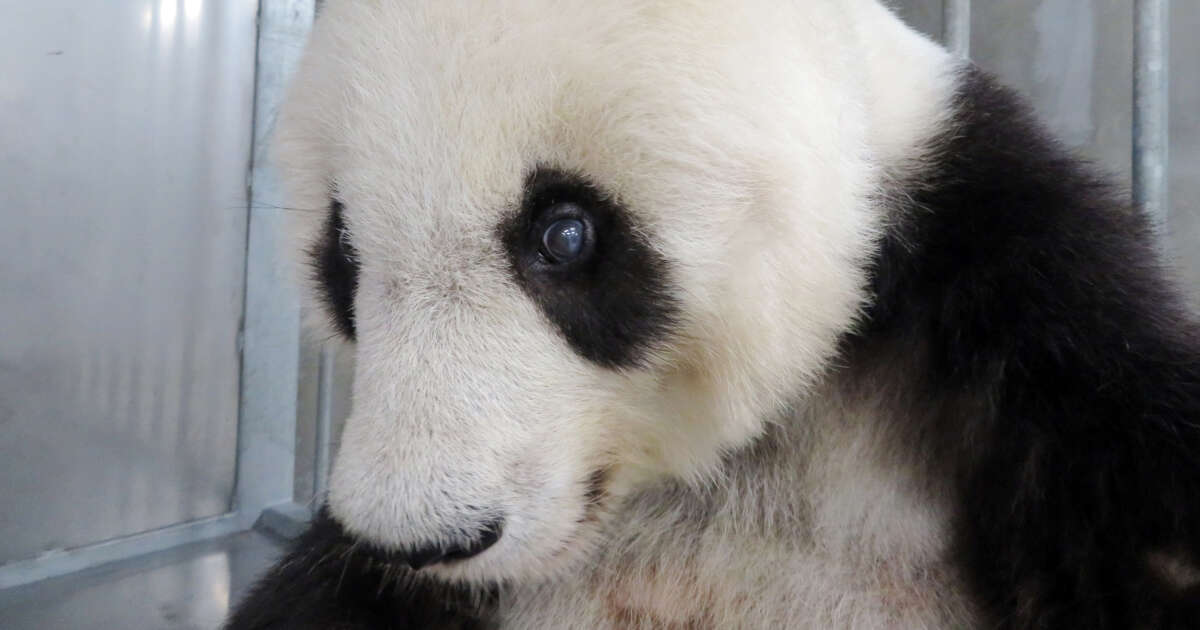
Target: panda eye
{"type": "Point", "coordinates": [578, 254]}
{"type": "Point", "coordinates": [563, 241]}
{"type": "Point", "coordinates": [567, 238]}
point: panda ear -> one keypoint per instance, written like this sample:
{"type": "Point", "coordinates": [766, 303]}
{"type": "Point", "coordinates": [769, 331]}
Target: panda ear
{"type": "Point", "coordinates": [335, 269]}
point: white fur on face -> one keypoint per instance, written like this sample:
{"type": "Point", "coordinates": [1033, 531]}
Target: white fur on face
{"type": "Point", "coordinates": [745, 137]}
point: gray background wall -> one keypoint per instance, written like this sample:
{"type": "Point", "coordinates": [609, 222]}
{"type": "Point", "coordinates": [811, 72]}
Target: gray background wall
{"type": "Point", "coordinates": [125, 130]}
{"type": "Point", "coordinates": [1184, 173]}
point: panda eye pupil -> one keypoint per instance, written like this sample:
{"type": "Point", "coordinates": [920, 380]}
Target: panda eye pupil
{"type": "Point", "coordinates": [563, 241]}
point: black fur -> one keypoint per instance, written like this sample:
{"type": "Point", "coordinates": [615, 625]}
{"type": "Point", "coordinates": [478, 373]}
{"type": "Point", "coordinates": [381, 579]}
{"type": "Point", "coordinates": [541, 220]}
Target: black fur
{"type": "Point", "coordinates": [1030, 285]}
{"type": "Point", "coordinates": [614, 304]}
{"type": "Point", "coordinates": [329, 581]}
{"type": "Point", "coordinates": [335, 268]}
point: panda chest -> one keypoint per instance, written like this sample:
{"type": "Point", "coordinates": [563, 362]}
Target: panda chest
{"type": "Point", "coordinates": [844, 534]}
{"type": "Point", "coordinates": [804, 584]}
{"type": "Point", "coordinates": [828, 526]}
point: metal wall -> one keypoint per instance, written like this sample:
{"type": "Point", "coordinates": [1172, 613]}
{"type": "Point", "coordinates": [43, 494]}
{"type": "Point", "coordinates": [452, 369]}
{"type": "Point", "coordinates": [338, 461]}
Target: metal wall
{"type": "Point", "coordinates": [1183, 172]}
{"type": "Point", "coordinates": [125, 134]}
{"type": "Point", "coordinates": [326, 379]}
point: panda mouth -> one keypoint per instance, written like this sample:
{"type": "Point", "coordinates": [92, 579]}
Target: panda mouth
{"type": "Point", "coordinates": [424, 556]}
{"type": "Point", "coordinates": [327, 536]}
{"type": "Point", "coordinates": [429, 555]}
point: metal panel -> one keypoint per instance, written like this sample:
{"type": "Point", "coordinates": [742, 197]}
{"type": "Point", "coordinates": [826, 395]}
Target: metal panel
{"type": "Point", "coordinates": [271, 351]}
{"type": "Point", "coordinates": [189, 588]}
{"type": "Point", "coordinates": [1074, 58]}
{"type": "Point", "coordinates": [1183, 175]}
{"type": "Point", "coordinates": [327, 377]}
{"type": "Point", "coordinates": [125, 132]}
{"type": "Point", "coordinates": [308, 403]}
{"type": "Point", "coordinates": [926, 16]}
{"type": "Point", "coordinates": [58, 563]}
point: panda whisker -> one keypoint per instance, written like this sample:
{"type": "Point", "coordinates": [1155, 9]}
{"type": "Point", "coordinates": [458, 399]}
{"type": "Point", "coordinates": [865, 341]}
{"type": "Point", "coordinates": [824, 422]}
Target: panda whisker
{"type": "Point", "coordinates": [291, 209]}
{"type": "Point", "coordinates": [347, 559]}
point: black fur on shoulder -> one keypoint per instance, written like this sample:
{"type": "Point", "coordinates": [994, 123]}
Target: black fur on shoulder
{"type": "Point", "coordinates": [330, 581]}
{"type": "Point", "coordinates": [1030, 285]}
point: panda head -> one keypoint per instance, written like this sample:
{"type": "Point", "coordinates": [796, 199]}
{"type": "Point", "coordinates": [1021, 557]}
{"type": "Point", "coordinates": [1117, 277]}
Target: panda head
{"type": "Point", "coordinates": [581, 247]}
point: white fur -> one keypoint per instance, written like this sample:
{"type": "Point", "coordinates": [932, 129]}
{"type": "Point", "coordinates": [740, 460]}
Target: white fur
{"type": "Point", "coordinates": [751, 140]}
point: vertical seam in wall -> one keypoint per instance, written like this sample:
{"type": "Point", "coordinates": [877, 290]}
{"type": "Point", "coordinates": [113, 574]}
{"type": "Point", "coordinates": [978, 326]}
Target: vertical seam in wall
{"type": "Point", "coordinates": [324, 428]}
{"type": "Point", "coordinates": [241, 334]}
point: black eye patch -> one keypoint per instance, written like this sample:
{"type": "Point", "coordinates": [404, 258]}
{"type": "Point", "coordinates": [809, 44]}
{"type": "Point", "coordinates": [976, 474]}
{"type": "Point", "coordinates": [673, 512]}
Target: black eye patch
{"type": "Point", "coordinates": [335, 270]}
{"type": "Point", "coordinates": [577, 254]}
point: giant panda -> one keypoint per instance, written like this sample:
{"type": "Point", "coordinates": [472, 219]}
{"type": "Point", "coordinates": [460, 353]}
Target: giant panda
{"type": "Point", "coordinates": [690, 314]}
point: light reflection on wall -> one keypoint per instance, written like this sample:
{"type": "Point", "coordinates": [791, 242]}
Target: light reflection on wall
{"type": "Point", "coordinates": [166, 14]}
{"type": "Point", "coordinates": [168, 11]}
{"type": "Point", "coordinates": [215, 573]}
{"type": "Point", "coordinates": [193, 10]}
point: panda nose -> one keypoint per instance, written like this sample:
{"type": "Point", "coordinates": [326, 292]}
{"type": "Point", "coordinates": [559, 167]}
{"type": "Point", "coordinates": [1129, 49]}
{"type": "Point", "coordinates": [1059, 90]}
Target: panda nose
{"type": "Point", "coordinates": [433, 554]}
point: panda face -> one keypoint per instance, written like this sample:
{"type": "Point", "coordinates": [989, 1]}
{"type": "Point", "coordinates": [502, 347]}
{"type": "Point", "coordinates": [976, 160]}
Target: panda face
{"type": "Point", "coordinates": [579, 246]}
